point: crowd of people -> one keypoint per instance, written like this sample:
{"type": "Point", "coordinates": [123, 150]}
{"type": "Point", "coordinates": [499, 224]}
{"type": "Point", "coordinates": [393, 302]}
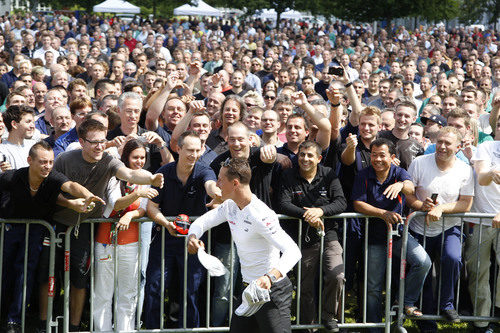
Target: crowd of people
{"type": "Point", "coordinates": [235, 120]}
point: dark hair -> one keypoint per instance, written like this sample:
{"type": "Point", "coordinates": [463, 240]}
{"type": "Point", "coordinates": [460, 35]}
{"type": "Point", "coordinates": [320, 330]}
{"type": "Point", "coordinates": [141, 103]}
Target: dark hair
{"type": "Point", "coordinates": [240, 101]}
{"type": "Point", "coordinates": [16, 113]}
{"type": "Point", "coordinates": [184, 135]}
{"type": "Point", "coordinates": [37, 146]}
{"type": "Point", "coordinates": [100, 84]}
{"type": "Point", "coordinates": [383, 141]}
{"type": "Point", "coordinates": [129, 147]}
{"type": "Point", "coordinates": [311, 144]}
{"type": "Point", "coordinates": [238, 168]}
{"type": "Point", "coordinates": [90, 125]}
{"type": "Point", "coordinates": [296, 115]}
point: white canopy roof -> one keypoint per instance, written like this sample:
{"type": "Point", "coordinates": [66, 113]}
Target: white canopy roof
{"type": "Point", "coordinates": [116, 6]}
{"type": "Point", "coordinates": [270, 14]}
{"type": "Point", "coordinates": [201, 9]}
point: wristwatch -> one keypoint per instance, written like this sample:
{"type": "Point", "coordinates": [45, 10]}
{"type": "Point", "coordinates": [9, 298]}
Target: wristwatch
{"type": "Point", "coordinates": [272, 277]}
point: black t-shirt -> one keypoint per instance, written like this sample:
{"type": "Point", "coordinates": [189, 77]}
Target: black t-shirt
{"type": "Point", "coordinates": [406, 150]}
{"type": "Point", "coordinates": [260, 184]}
{"type": "Point", "coordinates": [17, 201]}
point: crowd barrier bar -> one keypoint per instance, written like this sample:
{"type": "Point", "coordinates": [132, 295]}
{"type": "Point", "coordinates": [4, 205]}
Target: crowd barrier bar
{"type": "Point", "coordinates": [298, 325]}
{"type": "Point", "coordinates": [53, 241]}
{"type": "Point", "coordinates": [402, 278]}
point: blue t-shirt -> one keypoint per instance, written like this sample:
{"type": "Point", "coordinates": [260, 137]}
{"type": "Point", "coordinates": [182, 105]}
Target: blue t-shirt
{"type": "Point", "coordinates": [368, 189]}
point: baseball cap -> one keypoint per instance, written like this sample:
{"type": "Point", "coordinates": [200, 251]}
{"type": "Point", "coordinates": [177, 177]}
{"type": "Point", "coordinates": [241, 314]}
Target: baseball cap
{"type": "Point", "coordinates": [438, 119]}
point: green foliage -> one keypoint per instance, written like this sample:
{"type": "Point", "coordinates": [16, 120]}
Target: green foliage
{"type": "Point", "coordinates": [473, 10]}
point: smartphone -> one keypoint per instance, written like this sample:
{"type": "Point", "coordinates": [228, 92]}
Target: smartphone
{"type": "Point", "coordinates": [434, 197]}
{"type": "Point", "coordinates": [339, 71]}
{"type": "Point", "coordinates": [3, 158]}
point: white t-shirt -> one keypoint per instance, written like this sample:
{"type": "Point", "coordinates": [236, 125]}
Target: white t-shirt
{"type": "Point", "coordinates": [16, 155]}
{"type": "Point", "coordinates": [449, 184]}
{"type": "Point", "coordinates": [257, 234]}
{"type": "Point", "coordinates": [487, 198]}
{"type": "Point", "coordinates": [484, 123]}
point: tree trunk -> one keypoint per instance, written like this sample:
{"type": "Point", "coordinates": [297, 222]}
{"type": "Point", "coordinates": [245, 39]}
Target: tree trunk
{"type": "Point", "coordinates": [388, 27]}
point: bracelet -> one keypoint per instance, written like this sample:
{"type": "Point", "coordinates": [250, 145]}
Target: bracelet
{"type": "Point", "coordinates": [335, 105]}
{"type": "Point", "coordinates": [348, 84]}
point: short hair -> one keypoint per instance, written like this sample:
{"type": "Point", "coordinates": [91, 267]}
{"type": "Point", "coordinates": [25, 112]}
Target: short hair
{"type": "Point", "coordinates": [33, 153]}
{"type": "Point", "coordinates": [11, 95]}
{"type": "Point", "coordinates": [295, 116]}
{"type": "Point", "coordinates": [96, 113]}
{"type": "Point", "coordinates": [407, 104]}
{"type": "Point", "coordinates": [372, 111]}
{"type": "Point", "coordinates": [16, 113]}
{"type": "Point", "coordinates": [76, 82]}
{"type": "Point", "coordinates": [186, 134]}
{"type": "Point", "coordinates": [450, 129]}
{"type": "Point", "coordinates": [105, 98]}
{"type": "Point", "coordinates": [100, 84]}
{"type": "Point", "coordinates": [238, 168]}
{"type": "Point", "coordinates": [311, 144]}
{"type": "Point", "coordinates": [383, 141]}
{"type": "Point", "coordinates": [90, 125]}
{"type": "Point", "coordinates": [128, 95]}
{"type": "Point", "coordinates": [240, 124]}
{"type": "Point", "coordinates": [459, 113]}
{"type": "Point", "coordinates": [79, 104]}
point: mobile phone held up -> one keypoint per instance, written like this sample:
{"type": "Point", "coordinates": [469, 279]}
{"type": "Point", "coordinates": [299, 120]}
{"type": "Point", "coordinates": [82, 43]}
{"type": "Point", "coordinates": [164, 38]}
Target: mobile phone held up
{"type": "Point", "coordinates": [338, 71]}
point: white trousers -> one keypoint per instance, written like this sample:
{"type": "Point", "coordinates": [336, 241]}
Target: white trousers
{"type": "Point", "coordinates": [126, 293]}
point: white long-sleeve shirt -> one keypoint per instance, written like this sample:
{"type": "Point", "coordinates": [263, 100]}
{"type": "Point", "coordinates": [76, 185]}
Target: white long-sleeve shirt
{"type": "Point", "coordinates": [257, 234]}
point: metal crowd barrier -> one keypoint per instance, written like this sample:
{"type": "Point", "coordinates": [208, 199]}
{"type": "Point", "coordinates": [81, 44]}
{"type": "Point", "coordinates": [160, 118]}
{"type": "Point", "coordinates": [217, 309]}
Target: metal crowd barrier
{"type": "Point", "coordinates": [296, 324]}
{"type": "Point", "coordinates": [474, 217]}
{"type": "Point", "coordinates": [50, 295]}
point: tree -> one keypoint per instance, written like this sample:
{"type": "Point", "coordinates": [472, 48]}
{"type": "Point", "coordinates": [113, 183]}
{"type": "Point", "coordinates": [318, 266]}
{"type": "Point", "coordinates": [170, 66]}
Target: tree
{"type": "Point", "coordinates": [473, 11]}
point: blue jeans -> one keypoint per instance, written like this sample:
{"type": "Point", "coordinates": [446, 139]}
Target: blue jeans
{"type": "Point", "coordinates": [451, 263]}
{"type": "Point", "coordinates": [222, 284]}
{"type": "Point", "coordinates": [174, 264]}
{"type": "Point", "coordinates": [419, 265]}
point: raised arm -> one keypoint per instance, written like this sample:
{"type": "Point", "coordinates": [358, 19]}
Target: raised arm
{"type": "Point", "coordinates": [334, 96]}
{"type": "Point", "coordinates": [317, 118]}
{"type": "Point", "coordinates": [156, 108]}
{"type": "Point", "coordinates": [353, 99]}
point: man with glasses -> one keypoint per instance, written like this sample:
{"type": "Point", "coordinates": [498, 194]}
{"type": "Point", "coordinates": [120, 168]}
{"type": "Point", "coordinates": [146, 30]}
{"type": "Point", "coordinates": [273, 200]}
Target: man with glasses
{"type": "Point", "coordinates": [259, 239]}
{"type": "Point", "coordinates": [92, 168]}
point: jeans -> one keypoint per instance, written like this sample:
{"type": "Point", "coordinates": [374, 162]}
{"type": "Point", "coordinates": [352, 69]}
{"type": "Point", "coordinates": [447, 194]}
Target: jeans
{"type": "Point", "coordinates": [222, 284]}
{"type": "Point", "coordinates": [451, 263]}
{"type": "Point", "coordinates": [174, 264]}
{"type": "Point", "coordinates": [419, 265]}
{"type": "Point", "coordinates": [273, 317]}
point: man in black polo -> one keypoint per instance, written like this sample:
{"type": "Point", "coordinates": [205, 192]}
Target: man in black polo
{"type": "Point", "coordinates": [187, 183]}
{"type": "Point", "coordinates": [31, 193]}
{"type": "Point", "coordinates": [310, 192]}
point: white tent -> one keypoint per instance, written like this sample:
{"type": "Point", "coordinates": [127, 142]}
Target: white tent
{"type": "Point", "coordinates": [201, 9]}
{"type": "Point", "coordinates": [270, 14]}
{"type": "Point", "coordinates": [116, 6]}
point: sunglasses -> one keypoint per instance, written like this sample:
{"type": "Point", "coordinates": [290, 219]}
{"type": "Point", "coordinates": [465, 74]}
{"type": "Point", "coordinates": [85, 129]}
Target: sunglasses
{"type": "Point", "coordinates": [269, 97]}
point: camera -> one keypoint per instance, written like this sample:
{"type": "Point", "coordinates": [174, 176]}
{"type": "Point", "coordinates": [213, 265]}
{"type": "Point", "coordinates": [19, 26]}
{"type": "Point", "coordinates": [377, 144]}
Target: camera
{"type": "Point", "coordinates": [338, 71]}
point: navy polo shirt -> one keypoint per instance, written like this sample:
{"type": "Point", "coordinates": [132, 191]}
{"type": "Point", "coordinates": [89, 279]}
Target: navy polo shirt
{"type": "Point", "coordinates": [368, 189]}
{"type": "Point", "coordinates": [190, 199]}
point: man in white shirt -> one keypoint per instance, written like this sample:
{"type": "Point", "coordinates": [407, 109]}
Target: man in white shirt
{"type": "Point", "coordinates": [46, 46]}
{"type": "Point", "coordinates": [452, 180]}
{"type": "Point", "coordinates": [478, 247]}
{"type": "Point", "coordinates": [259, 239]}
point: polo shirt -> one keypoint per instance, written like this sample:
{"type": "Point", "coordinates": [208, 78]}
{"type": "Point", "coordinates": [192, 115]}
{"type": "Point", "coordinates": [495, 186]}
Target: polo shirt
{"type": "Point", "coordinates": [64, 141]}
{"type": "Point", "coordinates": [17, 201]}
{"type": "Point", "coordinates": [190, 199]}
{"type": "Point", "coordinates": [368, 189]}
{"type": "Point", "coordinates": [324, 192]}
{"type": "Point", "coordinates": [216, 142]}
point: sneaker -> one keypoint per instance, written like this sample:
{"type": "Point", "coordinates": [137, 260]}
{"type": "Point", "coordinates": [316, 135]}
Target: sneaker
{"type": "Point", "coordinates": [13, 328]}
{"type": "Point", "coordinates": [331, 325]}
{"type": "Point", "coordinates": [451, 315]}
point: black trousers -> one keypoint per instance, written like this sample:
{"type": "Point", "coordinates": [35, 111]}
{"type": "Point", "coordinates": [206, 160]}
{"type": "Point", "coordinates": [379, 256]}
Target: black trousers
{"type": "Point", "coordinates": [273, 317]}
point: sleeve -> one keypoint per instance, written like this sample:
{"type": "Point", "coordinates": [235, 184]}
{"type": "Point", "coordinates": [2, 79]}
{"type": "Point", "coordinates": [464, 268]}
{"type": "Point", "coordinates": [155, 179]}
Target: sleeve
{"type": "Point", "coordinates": [413, 172]}
{"type": "Point", "coordinates": [60, 178]}
{"type": "Point", "coordinates": [112, 194]}
{"type": "Point", "coordinates": [271, 230]}
{"type": "Point", "coordinates": [115, 164]}
{"type": "Point", "coordinates": [403, 175]}
{"type": "Point", "coordinates": [208, 174]}
{"type": "Point", "coordinates": [338, 203]}
{"type": "Point", "coordinates": [208, 220]}
{"type": "Point", "coordinates": [359, 187]}
{"type": "Point", "coordinates": [482, 153]}
{"type": "Point", "coordinates": [467, 187]}
{"type": "Point", "coordinates": [286, 204]}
